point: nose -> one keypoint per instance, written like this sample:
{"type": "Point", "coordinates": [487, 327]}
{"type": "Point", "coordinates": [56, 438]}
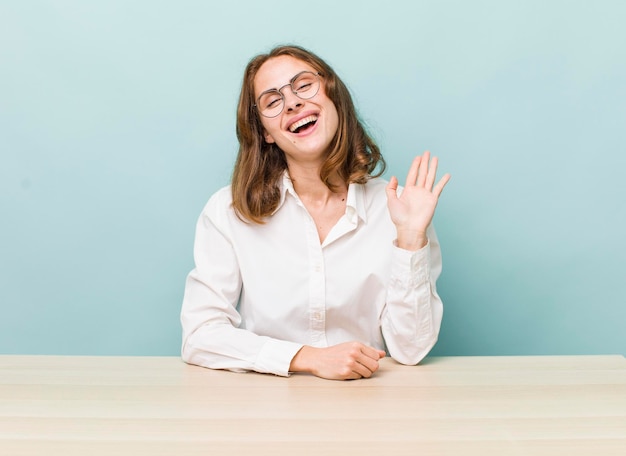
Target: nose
{"type": "Point", "coordinates": [292, 101]}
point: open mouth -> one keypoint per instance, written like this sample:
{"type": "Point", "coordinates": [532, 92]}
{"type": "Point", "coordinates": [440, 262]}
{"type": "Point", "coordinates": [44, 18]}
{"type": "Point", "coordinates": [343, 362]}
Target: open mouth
{"type": "Point", "coordinates": [303, 124]}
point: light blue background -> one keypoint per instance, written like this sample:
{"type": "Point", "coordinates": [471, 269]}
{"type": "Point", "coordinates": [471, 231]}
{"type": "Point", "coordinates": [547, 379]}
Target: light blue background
{"type": "Point", "coordinates": [117, 123]}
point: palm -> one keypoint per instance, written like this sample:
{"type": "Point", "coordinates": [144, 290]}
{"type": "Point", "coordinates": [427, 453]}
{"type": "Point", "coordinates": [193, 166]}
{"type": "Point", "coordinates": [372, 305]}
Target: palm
{"type": "Point", "coordinates": [413, 209]}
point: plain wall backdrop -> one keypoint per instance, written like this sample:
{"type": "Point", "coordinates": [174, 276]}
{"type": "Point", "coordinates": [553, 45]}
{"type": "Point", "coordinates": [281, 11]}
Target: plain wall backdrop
{"type": "Point", "coordinates": [117, 122]}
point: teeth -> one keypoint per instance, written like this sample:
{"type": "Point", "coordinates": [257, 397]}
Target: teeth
{"type": "Point", "coordinates": [294, 126]}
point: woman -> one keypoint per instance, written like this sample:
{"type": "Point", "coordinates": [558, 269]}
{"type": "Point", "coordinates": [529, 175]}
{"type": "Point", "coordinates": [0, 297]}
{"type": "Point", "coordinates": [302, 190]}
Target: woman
{"type": "Point", "coordinates": [308, 262]}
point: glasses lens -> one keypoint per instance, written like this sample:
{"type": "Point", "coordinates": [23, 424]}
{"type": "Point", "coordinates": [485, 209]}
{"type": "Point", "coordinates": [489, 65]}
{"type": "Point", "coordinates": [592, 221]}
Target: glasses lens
{"type": "Point", "coordinates": [271, 103]}
{"type": "Point", "coordinates": [306, 85]}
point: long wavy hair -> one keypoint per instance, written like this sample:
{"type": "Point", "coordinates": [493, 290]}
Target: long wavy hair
{"type": "Point", "coordinates": [256, 179]}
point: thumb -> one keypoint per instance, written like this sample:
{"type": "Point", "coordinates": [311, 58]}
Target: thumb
{"type": "Point", "coordinates": [392, 188]}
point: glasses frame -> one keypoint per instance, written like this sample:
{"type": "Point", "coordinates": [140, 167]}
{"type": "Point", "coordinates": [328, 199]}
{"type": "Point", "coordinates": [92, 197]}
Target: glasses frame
{"type": "Point", "coordinates": [295, 92]}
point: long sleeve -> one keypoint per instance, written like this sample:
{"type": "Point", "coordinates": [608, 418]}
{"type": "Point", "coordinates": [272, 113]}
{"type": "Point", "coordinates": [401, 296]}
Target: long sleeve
{"type": "Point", "coordinates": [411, 317]}
{"type": "Point", "coordinates": [259, 292]}
{"type": "Point", "coordinates": [212, 336]}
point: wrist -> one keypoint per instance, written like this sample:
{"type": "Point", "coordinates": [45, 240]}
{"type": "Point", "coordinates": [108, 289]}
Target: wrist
{"type": "Point", "coordinates": [301, 362]}
{"type": "Point", "coordinates": [411, 240]}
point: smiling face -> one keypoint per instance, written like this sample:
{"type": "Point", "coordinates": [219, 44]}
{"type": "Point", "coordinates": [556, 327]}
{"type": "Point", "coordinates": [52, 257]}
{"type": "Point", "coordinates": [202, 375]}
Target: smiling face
{"type": "Point", "coordinates": [305, 128]}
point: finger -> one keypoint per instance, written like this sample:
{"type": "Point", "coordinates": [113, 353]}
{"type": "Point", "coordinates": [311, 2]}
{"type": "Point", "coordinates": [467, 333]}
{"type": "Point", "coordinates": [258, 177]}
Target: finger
{"type": "Point", "coordinates": [441, 184]}
{"type": "Point", "coordinates": [423, 170]}
{"type": "Point", "coordinates": [365, 366]}
{"type": "Point", "coordinates": [411, 177]}
{"type": "Point", "coordinates": [432, 173]}
{"type": "Point", "coordinates": [372, 352]}
{"type": "Point", "coordinates": [368, 360]}
{"type": "Point", "coordinates": [392, 188]}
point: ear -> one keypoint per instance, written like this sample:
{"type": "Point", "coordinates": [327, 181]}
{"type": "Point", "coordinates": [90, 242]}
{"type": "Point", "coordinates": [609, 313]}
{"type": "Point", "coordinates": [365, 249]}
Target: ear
{"type": "Point", "coordinates": [268, 137]}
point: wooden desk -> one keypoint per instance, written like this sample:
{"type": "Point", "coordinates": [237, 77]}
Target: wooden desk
{"type": "Point", "coordinates": [89, 406]}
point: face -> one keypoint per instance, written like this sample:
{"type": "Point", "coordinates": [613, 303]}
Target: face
{"type": "Point", "coordinates": [305, 128]}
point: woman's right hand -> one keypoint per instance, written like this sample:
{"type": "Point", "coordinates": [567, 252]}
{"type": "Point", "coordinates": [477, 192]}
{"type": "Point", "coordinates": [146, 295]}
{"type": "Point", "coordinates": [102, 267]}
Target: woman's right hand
{"type": "Point", "coordinates": [346, 361]}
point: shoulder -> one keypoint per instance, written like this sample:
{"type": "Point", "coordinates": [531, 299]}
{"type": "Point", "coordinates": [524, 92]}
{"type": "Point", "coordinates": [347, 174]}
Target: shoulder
{"type": "Point", "coordinates": [219, 207]}
{"type": "Point", "coordinates": [369, 199]}
{"type": "Point", "coordinates": [374, 191]}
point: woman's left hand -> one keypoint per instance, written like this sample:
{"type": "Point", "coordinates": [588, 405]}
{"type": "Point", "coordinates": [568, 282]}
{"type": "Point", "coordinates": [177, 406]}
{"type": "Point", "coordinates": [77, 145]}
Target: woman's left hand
{"type": "Point", "coordinates": [413, 211]}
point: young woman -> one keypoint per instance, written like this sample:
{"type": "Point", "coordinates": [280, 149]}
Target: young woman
{"type": "Point", "coordinates": [308, 261]}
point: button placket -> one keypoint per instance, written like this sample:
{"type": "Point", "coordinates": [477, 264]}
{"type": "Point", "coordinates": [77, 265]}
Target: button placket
{"type": "Point", "coordinates": [317, 284]}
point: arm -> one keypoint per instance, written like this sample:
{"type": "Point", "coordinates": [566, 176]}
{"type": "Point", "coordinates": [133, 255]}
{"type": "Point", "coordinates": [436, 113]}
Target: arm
{"type": "Point", "coordinates": [210, 321]}
{"type": "Point", "coordinates": [411, 318]}
{"type": "Point", "coordinates": [413, 312]}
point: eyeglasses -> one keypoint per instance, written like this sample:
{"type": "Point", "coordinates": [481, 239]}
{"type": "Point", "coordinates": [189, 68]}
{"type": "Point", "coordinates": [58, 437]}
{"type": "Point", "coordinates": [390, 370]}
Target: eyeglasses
{"type": "Point", "coordinates": [304, 85]}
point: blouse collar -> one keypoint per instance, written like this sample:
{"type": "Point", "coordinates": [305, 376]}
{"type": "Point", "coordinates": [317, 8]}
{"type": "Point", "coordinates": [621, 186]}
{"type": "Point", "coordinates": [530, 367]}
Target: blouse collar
{"type": "Point", "coordinates": [355, 201]}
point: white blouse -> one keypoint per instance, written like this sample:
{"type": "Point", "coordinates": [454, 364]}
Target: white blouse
{"type": "Point", "coordinates": [258, 293]}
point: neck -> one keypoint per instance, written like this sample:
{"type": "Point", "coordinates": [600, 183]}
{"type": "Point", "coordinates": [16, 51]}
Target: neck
{"type": "Point", "coordinates": [309, 186]}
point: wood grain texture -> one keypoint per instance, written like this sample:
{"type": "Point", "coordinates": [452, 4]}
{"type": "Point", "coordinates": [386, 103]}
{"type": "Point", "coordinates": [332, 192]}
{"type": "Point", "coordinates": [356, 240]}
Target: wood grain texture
{"type": "Point", "coordinates": [546, 405]}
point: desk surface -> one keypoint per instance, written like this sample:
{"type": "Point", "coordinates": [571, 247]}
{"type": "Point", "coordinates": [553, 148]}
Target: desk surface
{"type": "Point", "coordinates": [565, 405]}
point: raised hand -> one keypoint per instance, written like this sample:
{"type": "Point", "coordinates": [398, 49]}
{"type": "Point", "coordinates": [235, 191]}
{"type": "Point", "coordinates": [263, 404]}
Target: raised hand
{"type": "Point", "coordinates": [413, 211]}
{"type": "Point", "coordinates": [347, 361]}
